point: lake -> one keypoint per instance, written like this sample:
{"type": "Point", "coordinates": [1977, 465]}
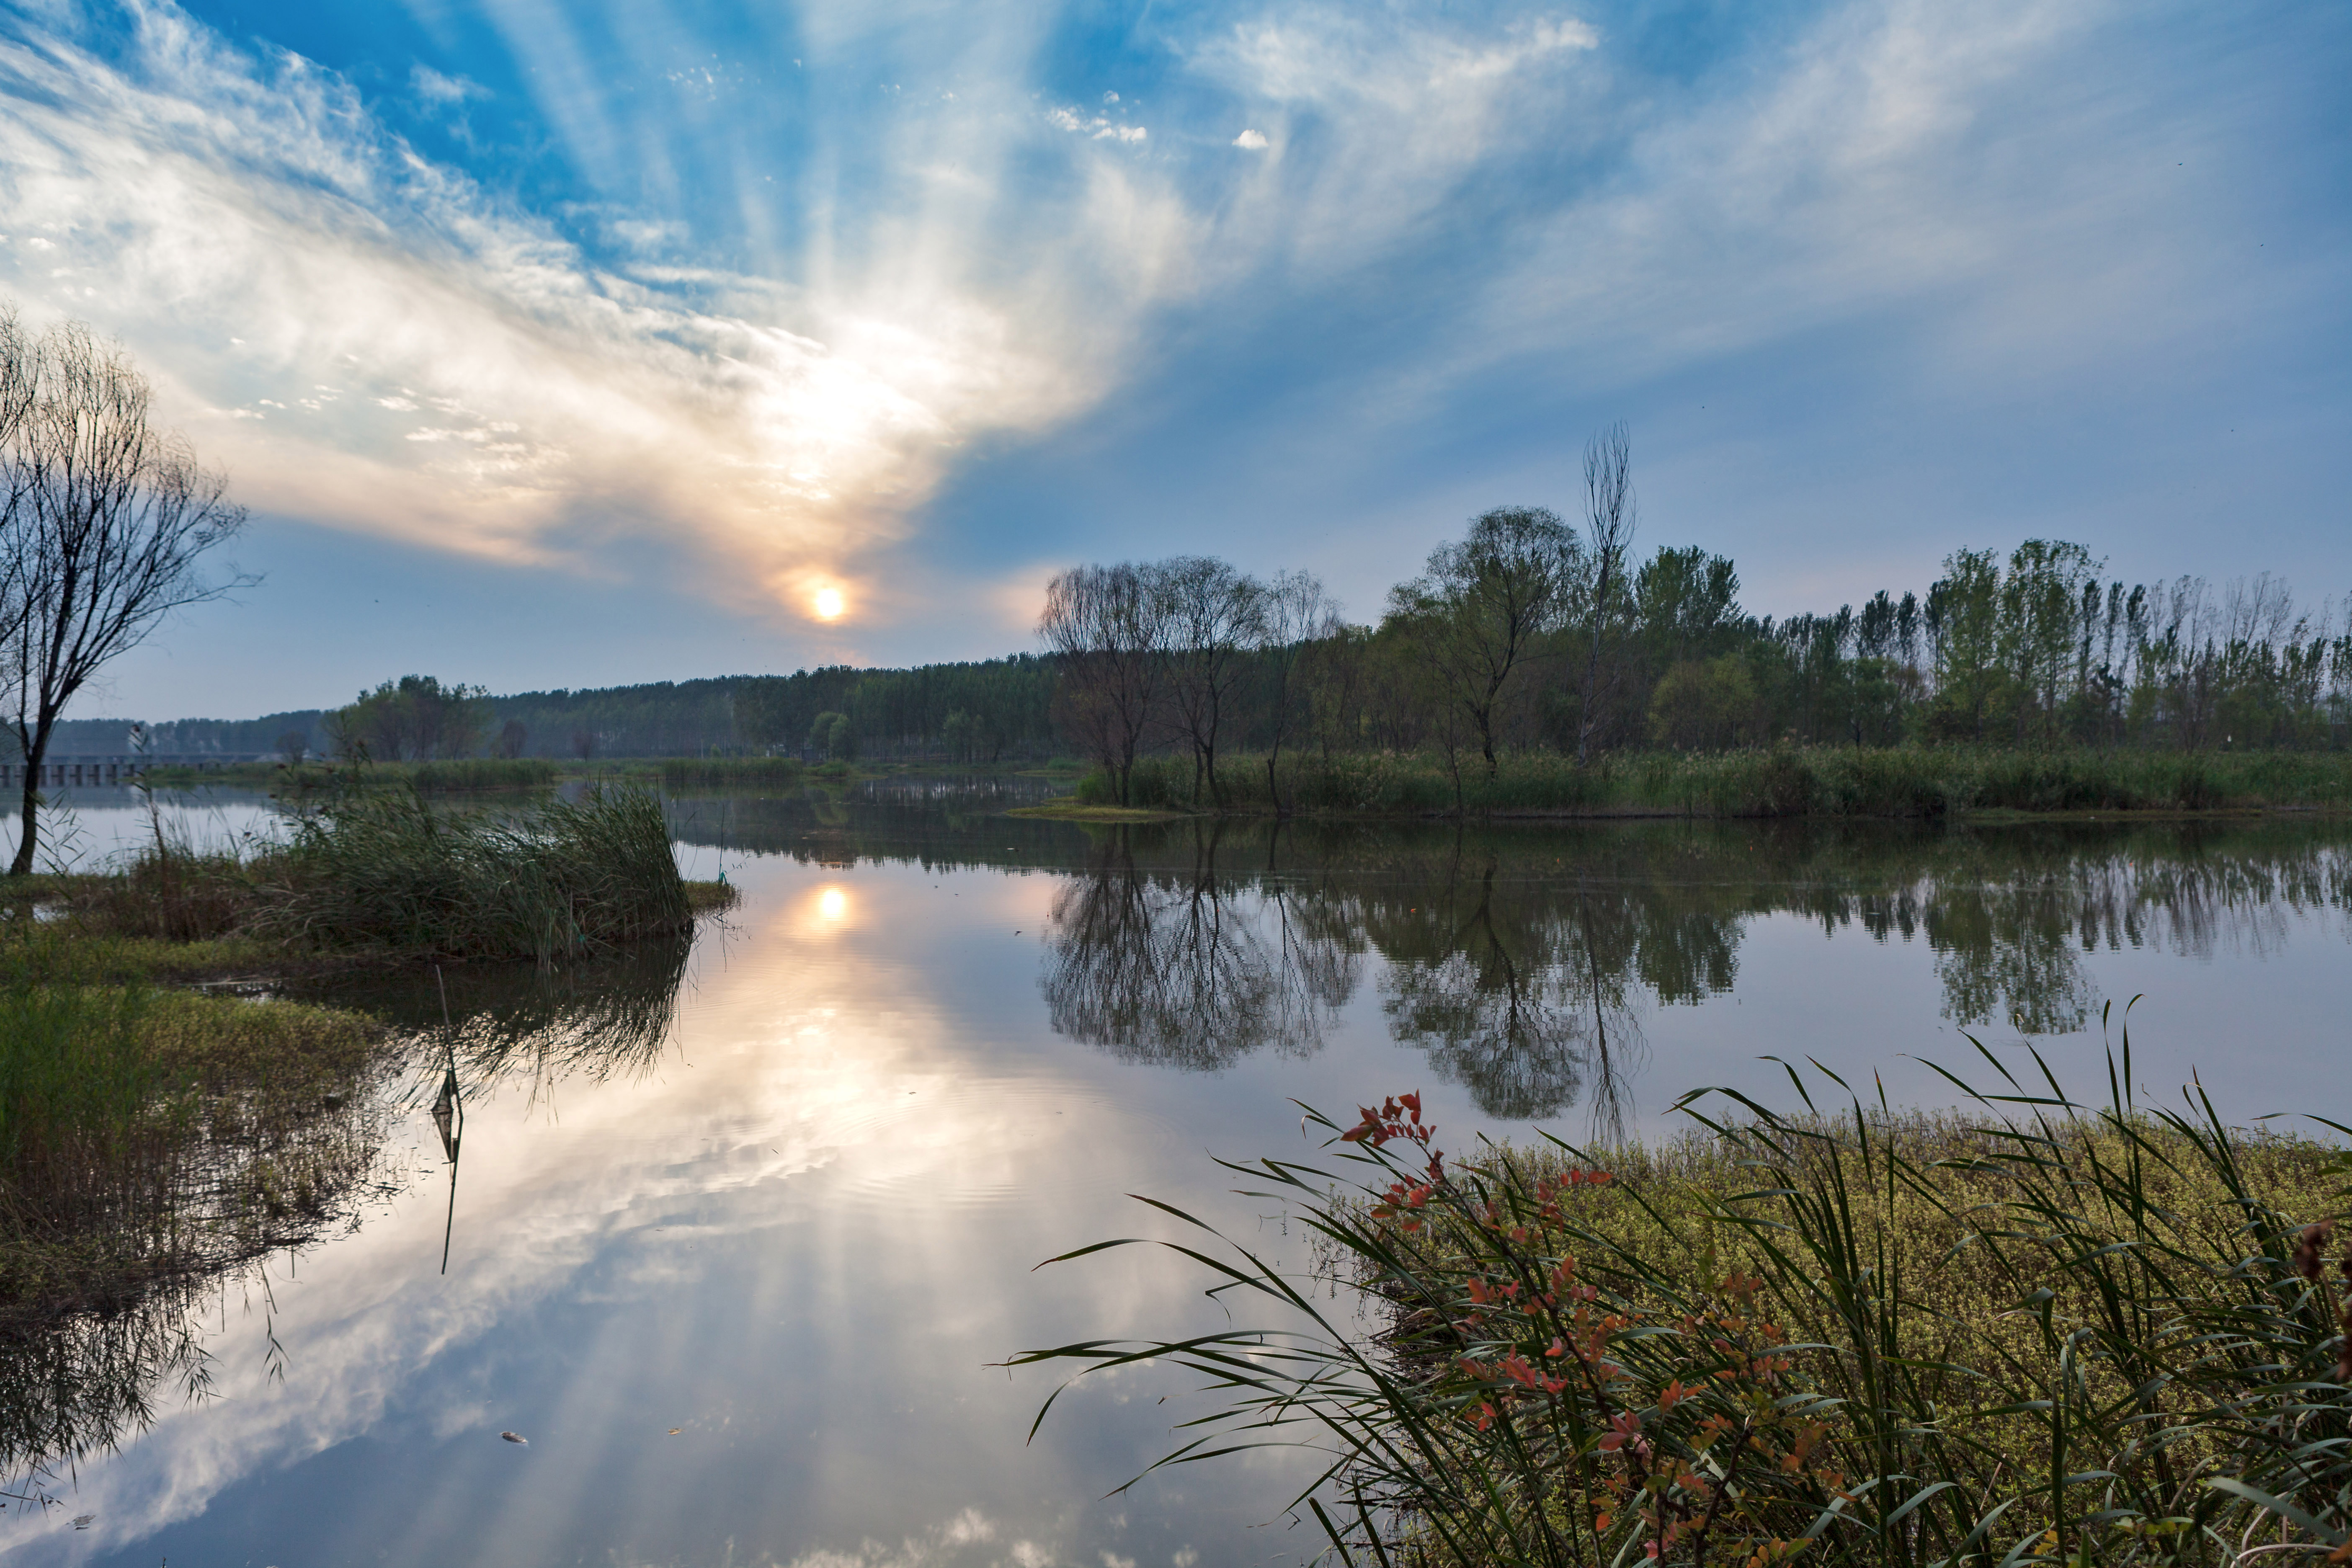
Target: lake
{"type": "Point", "coordinates": [783, 1192]}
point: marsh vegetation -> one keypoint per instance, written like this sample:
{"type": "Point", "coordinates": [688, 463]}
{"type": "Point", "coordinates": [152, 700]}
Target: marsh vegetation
{"type": "Point", "coordinates": [2031, 1330]}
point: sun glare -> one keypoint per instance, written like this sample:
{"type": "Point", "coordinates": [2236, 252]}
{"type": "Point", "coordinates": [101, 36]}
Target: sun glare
{"type": "Point", "coordinates": [832, 903]}
{"type": "Point", "coordinates": [829, 603]}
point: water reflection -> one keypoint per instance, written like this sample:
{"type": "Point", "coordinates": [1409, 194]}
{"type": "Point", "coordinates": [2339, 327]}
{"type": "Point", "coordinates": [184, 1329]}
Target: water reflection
{"type": "Point", "coordinates": [927, 1052]}
{"type": "Point", "coordinates": [1195, 968]}
{"type": "Point", "coordinates": [1522, 961]}
{"type": "Point", "coordinates": [1523, 1001]}
{"type": "Point", "coordinates": [83, 1378]}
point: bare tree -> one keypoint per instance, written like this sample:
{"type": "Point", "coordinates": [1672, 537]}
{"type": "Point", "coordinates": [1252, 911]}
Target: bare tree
{"type": "Point", "coordinates": [108, 517]}
{"type": "Point", "coordinates": [1294, 611]}
{"type": "Point", "coordinates": [1475, 612]}
{"type": "Point", "coordinates": [19, 378]}
{"type": "Point", "coordinates": [512, 735]}
{"type": "Point", "coordinates": [1215, 617]}
{"type": "Point", "coordinates": [1602, 601]}
{"type": "Point", "coordinates": [1110, 626]}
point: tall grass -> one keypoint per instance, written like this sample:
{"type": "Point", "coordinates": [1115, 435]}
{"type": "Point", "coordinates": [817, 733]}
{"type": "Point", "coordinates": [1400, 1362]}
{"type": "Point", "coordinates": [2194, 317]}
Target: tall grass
{"type": "Point", "coordinates": [454, 774]}
{"type": "Point", "coordinates": [151, 1144]}
{"type": "Point", "coordinates": [2043, 1332]}
{"type": "Point", "coordinates": [1825, 781]}
{"type": "Point", "coordinates": [84, 1108]}
{"type": "Point", "coordinates": [719, 773]}
{"type": "Point", "coordinates": [561, 881]}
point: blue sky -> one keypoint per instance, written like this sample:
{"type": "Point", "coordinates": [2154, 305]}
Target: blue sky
{"type": "Point", "coordinates": [590, 343]}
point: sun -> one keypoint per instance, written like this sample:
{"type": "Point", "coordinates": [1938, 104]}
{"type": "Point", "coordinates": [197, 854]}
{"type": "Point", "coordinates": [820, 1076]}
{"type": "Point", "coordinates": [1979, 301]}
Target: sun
{"type": "Point", "coordinates": [829, 603]}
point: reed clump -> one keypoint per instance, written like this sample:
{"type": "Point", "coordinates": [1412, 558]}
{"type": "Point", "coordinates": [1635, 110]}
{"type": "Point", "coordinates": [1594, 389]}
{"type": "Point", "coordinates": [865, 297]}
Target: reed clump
{"type": "Point", "coordinates": [561, 881]}
{"type": "Point", "coordinates": [331, 774]}
{"type": "Point", "coordinates": [390, 873]}
{"type": "Point", "coordinates": [1786, 781]}
{"type": "Point", "coordinates": [722, 773]}
{"type": "Point", "coordinates": [2038, 1331]}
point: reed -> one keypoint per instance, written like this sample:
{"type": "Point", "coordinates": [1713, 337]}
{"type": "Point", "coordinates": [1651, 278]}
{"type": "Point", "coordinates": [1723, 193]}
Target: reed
{"type": "Point", "coordinates": [1793, 780]}
{"type": "Point", "coordinates": [562, 882]}
{"type": "Point", "coordinates": [722, 773]}
{"type": "Point", "coordinates": [440, 775]}
{"type": "Point", "coordinates": [2044, 1331]}
{"type": "Point", "coordinates": [86, 1108]}
{"type": "Point", "coordinates": [147, 1135]}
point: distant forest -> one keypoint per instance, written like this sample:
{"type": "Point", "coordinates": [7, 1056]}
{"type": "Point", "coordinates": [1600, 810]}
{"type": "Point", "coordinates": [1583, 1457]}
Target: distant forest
{"type": "Point", "coordinates": [1524, 634]}
{"type": "Point", "coordinates": [993, 711]}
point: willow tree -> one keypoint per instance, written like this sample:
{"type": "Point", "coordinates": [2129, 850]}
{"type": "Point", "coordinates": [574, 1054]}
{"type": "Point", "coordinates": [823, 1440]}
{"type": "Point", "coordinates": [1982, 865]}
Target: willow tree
{"type": "Point", "coordinates": [107, 517]}
{"type": "Point", "coordinates": [1477, 613]}
{"type": "Point", "coordinates": [1111, 626]}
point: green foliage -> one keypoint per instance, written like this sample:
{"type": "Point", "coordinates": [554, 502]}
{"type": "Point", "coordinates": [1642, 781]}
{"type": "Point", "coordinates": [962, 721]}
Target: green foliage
{"type": "Point", "coordinates": [2039, 1332]}
{"type": "Point", "coordinates": [1789, 781]}
{"type": "Point", "coordinates": [76, 1086]}
{"type": "Point", "coordinates": [452, 775]}
{"type": "Point", "coordinates": [832, 737]}
{"type": "Point", "coordinates": [410, 719]}
{"type": "Point", "coordinates": [1005, 703]}
{"type": "Point", "coordinates": [555, 883]}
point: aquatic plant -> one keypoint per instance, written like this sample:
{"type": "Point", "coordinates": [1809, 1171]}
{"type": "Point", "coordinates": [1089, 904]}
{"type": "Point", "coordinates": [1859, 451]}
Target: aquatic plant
{"type": "Point", "coordinates": [719, 773]}
{"type": "Point", "coordinates": [560, 881]}
{"type": "Point", "coordinates": [2041, 1333]}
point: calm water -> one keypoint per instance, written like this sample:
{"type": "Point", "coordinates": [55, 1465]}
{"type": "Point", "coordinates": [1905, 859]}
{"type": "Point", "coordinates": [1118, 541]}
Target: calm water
{"type": "Point", "coordinates": [783, 1194]}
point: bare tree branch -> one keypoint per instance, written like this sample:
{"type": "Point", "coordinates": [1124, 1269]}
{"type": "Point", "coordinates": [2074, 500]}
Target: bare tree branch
{"type": "Point", "coordinates": [107, 517]}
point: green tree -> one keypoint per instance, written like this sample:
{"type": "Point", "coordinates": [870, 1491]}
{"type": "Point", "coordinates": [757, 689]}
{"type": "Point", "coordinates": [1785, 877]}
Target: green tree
{"type": "Point", "coordinates": [1476, 615]}
{"type": "Point", "coordinates": [412, 719]}
{"type": "Point", "coordinates": [2041, 642]}
{"type": "Point", "coordinates": [1964, 618]}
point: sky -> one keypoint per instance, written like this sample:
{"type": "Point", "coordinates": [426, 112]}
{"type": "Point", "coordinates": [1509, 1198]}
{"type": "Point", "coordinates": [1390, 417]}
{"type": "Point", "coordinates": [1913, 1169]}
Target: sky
{"type": "Point", "coordinates": [574, 345]}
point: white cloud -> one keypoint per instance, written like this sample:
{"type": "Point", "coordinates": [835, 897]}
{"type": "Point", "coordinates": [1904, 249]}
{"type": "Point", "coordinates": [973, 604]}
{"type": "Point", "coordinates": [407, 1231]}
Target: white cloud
{"type": "Point", "coordinates": [776, 431]}
{"type": "Point", "coordinates": [433, 88]}
{"type": "Point", "coordinates": [647, 235]}
{"type": "Point", "coordinates": [780, 418]}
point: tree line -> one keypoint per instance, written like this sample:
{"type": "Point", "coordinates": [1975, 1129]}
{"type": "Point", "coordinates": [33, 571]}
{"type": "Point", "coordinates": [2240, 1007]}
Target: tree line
{"type": "Point", "coordinates": [1531, 633]}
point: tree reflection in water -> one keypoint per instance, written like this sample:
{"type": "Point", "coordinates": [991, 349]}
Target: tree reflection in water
{"type": "Point", "coordinates": [1190, 968]}
{"type": "Point", "coordinates": [1518, 997]}
{"type": "Point", "coordinates": [1522, 959]}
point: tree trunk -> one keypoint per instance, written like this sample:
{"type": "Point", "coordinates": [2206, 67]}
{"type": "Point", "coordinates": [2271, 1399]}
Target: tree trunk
{"type": "Point", "coordinates": [35, 750]}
